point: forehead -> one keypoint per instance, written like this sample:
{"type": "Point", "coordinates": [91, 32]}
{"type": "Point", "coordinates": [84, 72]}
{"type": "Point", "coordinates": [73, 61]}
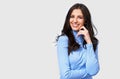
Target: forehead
{"type": "Point", "coordinates": [76, 12]}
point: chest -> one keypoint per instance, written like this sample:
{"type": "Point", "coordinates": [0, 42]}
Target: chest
{"type": "Point", "coordinates": [77, 58]}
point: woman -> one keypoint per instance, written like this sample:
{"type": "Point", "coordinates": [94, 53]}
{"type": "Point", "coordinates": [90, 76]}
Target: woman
{"type": "Point", "coordinates": [77, 46]}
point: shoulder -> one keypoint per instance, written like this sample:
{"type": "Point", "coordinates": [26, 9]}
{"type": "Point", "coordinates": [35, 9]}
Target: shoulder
{"type": "Point", "coordinates": [62, 41]}
{"type": "Point", "coordinates": [63, 38]}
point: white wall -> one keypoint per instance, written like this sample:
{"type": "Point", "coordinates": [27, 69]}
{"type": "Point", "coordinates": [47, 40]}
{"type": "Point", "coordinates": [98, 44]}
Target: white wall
{"type": "Point", "coordinates": [28, 29]}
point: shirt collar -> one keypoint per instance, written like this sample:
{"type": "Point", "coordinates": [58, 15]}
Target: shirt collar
{"type": "Point", "coordinates": [79, 39]}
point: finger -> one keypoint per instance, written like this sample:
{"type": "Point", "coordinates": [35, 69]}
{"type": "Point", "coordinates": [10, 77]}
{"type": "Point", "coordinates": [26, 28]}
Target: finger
{"type": "Point", "coordinates": [83, 28]}
{"type": "Point", "coordinates": [80, 33]}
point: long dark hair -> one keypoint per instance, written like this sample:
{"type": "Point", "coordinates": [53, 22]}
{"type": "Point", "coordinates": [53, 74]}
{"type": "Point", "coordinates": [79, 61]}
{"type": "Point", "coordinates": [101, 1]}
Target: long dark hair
{"type": "Point", "coordinates": [72, 44]}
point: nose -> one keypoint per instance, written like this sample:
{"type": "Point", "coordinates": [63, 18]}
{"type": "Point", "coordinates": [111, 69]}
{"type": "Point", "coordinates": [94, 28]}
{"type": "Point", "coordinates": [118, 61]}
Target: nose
{"type": "Point", "coordinates": [75, 20]}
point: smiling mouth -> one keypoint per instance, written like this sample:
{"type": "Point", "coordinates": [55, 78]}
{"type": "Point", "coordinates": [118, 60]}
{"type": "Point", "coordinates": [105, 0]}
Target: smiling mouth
{"type": "Point", "coordinates": [75, 25]}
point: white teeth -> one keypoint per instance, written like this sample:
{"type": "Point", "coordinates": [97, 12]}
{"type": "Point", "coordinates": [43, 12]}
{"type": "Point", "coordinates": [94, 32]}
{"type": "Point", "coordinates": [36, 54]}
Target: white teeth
{"type": "Point", "coordinates": [75, 25]}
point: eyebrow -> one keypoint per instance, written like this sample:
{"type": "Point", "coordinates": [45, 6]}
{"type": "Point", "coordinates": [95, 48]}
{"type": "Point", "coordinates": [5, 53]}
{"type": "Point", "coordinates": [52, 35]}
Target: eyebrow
{"type": "Point", "coordinates": [77, 15]}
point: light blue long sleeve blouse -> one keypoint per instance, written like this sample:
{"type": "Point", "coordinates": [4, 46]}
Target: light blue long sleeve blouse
{"type": "Point", "coordinates": [80, 64]}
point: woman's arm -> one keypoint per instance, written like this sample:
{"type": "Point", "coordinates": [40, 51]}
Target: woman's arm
{"type": "Point", "coordinates": [63, 60]}
{"type": "Point", "coordinates": [92, 63]}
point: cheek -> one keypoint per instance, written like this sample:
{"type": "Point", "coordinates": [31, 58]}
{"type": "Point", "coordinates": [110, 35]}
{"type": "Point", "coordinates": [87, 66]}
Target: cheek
{"type": "Point", "coordinates": [81, 22]}
{"type": "Point", "coordinates": [70, 20]}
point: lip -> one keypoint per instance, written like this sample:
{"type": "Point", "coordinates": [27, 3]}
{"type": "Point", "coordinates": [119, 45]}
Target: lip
{"type": "Point", "coordinates": [75, 25]}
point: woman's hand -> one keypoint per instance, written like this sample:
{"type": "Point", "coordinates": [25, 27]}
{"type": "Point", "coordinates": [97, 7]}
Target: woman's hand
{"type": "Point", "coordinates": [83, 31]}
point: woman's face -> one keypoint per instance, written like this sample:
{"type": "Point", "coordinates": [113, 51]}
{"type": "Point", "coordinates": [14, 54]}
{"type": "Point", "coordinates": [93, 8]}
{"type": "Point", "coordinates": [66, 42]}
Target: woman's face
{"type": "Point", "coordinates": [76, 19]}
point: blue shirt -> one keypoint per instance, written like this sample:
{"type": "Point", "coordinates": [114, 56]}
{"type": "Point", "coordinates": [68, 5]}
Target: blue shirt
{"type": "Point", "coordinates": [80, 64]}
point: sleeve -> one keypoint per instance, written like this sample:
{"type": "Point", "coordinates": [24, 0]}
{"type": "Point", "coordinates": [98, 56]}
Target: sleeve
{"type": "Point", "coordinates": [92, 63]}
{"type": "Point", "coordinates": [63, 60]}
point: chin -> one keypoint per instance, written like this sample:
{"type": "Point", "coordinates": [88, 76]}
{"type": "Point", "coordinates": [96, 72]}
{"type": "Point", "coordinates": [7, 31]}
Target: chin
{"type": "Point", "coordinates": [75, 29]}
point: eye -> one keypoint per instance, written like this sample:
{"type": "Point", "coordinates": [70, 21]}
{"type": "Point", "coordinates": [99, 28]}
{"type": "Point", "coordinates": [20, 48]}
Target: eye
{"type": "Point", "coordinates": [72, 16]}
{"type": "Point", "coordinates": [81, 17]}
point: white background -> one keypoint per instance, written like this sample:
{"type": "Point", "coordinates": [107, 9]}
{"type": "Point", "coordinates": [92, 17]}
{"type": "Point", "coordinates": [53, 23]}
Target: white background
{"type": "Point", "coordinates": [28, 29]}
